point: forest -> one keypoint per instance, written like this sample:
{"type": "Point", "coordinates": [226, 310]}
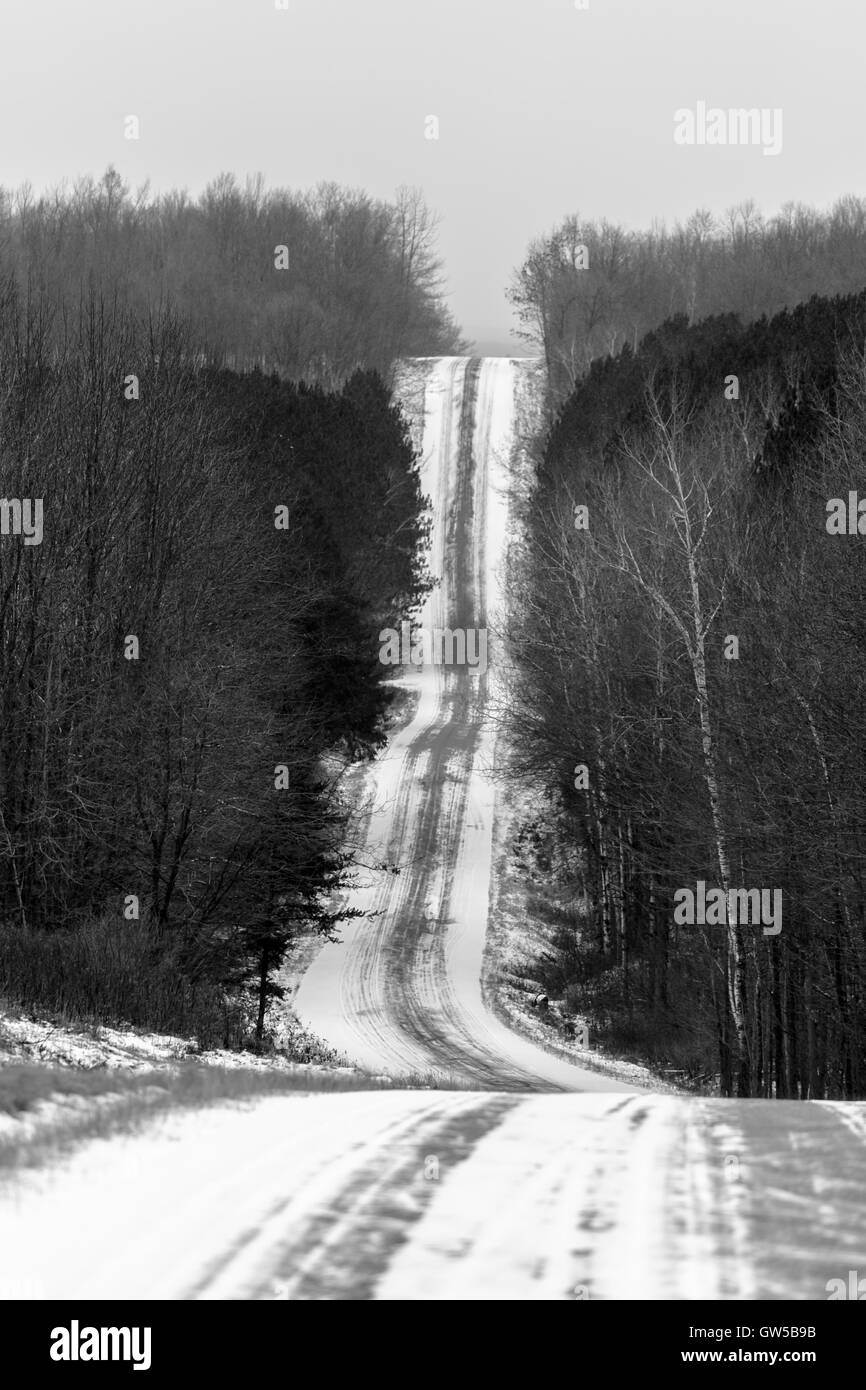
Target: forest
{"type": "Point", "coordinates": [231, 510]}
{"type": "Point", "coordinates": [687, 628]}
{"type": "Point", "coordinates": [589, 287]}
{"type": "Point", "coordinates": [312, 285]}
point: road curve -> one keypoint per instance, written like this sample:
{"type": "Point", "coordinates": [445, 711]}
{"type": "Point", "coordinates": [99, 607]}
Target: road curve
{"type": "Point", "coordinates": [401, 993]}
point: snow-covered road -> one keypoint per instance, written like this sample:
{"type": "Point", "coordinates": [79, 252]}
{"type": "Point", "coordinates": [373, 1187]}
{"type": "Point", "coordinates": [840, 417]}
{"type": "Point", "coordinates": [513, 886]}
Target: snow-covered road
{"type": "Point", "coordinates": [402, 991]}
{"type": "Point", "coordinates": [425, 1195]}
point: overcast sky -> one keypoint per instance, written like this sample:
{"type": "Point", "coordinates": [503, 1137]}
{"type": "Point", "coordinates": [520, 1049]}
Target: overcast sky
{"type": "Point", "coordinates": [543, 109]}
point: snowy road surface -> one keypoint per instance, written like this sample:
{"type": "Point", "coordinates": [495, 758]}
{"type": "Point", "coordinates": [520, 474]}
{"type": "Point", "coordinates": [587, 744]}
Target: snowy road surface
{"type": "Point", "coordinates": [449, 1195]}
{"type": "Point", "coordinates": [402, 991]}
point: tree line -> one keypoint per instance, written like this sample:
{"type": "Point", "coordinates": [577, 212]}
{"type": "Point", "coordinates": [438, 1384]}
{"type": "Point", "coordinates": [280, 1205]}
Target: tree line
{"type": "Point", "coordinates": [687, 628]}
{"type": "Point", "coordinates": [589, 287]}
{"type": "Point", "coordinates": [188, 660]}
{"type": "Point", "coordinates": [313, 285]}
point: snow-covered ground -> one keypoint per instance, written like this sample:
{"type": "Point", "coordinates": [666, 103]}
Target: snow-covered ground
{"type": "Point", "coordinates": [36, 1040]}
{"type": "Point", "coordinates": [420, 1195]}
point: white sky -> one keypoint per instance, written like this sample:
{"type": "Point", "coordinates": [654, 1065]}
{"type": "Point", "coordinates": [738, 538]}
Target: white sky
{"type": "Point", "coordinates": [544, 109]}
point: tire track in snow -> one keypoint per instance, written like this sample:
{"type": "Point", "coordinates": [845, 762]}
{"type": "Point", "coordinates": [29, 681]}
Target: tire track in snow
{"type": "Point", "coordinates": [562, 1197]}
{"type": "Point", "coordinates": [402, 991]}
{"type": "Point", "coordinates": [375, 1214]}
